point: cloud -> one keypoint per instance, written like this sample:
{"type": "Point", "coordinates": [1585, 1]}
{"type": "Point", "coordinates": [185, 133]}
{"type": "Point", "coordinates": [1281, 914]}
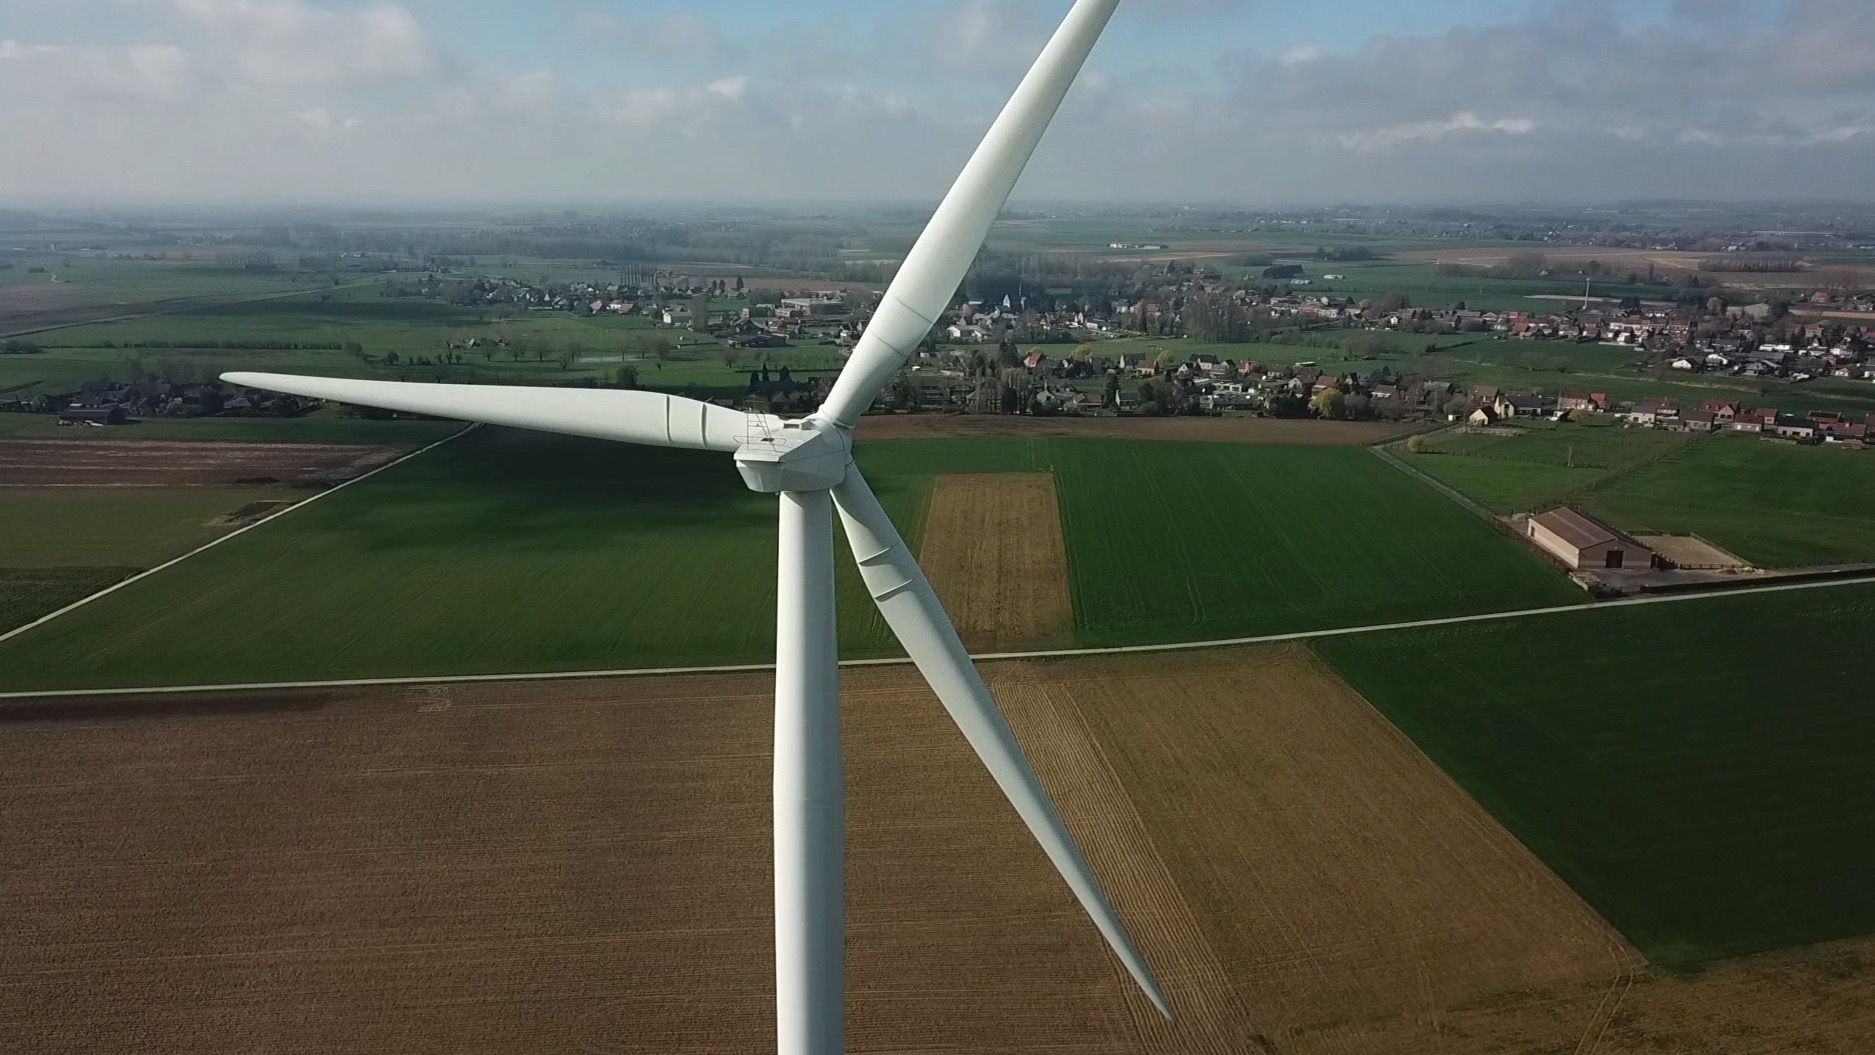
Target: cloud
{"type": "Point", "coordinates": [372, 99]}
{"type": "Point", "coordinates": [1372, 139]}
{"type": "Point", "coordinates": [296, 44]}
{"type": "Point", "coordinates": [54, 73]}
{"type": "Point", "coordinates": [681, 33]}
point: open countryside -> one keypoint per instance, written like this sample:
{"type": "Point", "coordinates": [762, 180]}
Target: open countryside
{"type": "Point", "coordinates": [1704, 823]}
{"type": "Point", "coordinates": [1401, 486]}
{"type": "Point", "coordinates": [1348, 938]}
{"type": "Point", "coordinates": [578, 578]}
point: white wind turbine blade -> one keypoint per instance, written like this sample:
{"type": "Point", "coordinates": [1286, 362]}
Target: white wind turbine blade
{"type": "Point", "coordinates": [911, 608]}
{"type": "Point", "coordinates": [922, 289]}
{"type": "Point", "coordinates": [608, 414]}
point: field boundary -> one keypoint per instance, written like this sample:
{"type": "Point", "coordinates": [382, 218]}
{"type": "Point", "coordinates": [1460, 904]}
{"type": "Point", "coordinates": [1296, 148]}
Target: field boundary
{"type": "Point", "coordinates": [212, 543]}
{"type": "Point", "coordinates": [893, 661]}
{"type": "Point", "coordinates": [1387, 455]}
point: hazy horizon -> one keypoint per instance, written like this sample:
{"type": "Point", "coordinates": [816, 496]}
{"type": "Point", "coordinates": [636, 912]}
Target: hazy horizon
{"type": "Point", "coordinates": [428, 104]}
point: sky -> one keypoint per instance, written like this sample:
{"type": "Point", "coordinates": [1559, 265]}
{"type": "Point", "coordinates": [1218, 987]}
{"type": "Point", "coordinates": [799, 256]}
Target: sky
{"type": "Point", "coordinates": [1226, 102]}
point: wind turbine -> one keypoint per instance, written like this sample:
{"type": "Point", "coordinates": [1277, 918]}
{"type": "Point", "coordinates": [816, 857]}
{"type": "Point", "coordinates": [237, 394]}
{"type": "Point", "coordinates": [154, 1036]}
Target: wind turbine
{"type": "Point", "coordinates": [808, 464]}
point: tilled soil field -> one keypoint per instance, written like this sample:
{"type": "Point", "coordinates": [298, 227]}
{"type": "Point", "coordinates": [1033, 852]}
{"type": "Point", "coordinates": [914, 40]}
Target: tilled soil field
{"type": "Point", "coordinates": [584, 866]}
{"type": "Point", "coordinates": [993, 550]}
{"type": "Point", "coordinates": [1219, 430]}
{"type": "Point", "coordinates": [148, 463]}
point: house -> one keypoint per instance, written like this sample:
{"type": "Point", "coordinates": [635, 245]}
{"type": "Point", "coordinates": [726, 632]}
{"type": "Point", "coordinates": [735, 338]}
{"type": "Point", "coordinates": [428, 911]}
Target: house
{"type": "Point", "coordinates": [1792, 428]}
{"type": "Point", "coordinates": [111, 414]}
{"type": "Point", "coordinates": [1754, 420]}
{"type": "Point", "coordinates": [1724, 411]}
{"type": "Point", "coordinates": [1580, 541]}
{"type": "Point", "coordinates": [1576, 399]}
{"type": "Point", "coordinates": [1520, 404]}
{"type": "Point", "coordinates": [1699, 421]}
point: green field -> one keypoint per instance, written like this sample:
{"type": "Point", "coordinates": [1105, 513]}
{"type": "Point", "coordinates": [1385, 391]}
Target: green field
{"type": "Point", "coordinates": [1542, 465]}
{"type": "Point", "coordinates": [320, 426]}
{"type": "Point", "coordinates": [409, 327]}
{"type": "Point", "coordinates": [1775, 504]}
{"type": "Point", "coordinates": [60, 544]}
{"type": "Point", "coordinates": [1698, 772]}
{"type": "Point", "coordinates": [504, 550]}
{"type": "Point", "coordinates": [133, 526]}
{"type": "Point", "coordinates": [509, 551]}
{"type": "Point", "coordinates": [28, 593]}
{"type": "Point", "coordinates": [1177, 541]}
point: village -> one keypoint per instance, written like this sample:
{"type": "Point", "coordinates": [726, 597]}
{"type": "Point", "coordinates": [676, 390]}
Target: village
{"type": "Point", "coordinates": [1049, 354]}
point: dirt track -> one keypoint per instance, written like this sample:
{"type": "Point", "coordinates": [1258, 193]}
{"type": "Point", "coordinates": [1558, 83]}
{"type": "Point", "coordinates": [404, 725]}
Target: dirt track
{"type": "Point", "coordinates": [150, 463]}
{"type": "Point", "coordinates": [1220, 430]}
{"type": "Point", "coordinates": [993, 550]}
{"type": "Point", "coordinates": [583, 866]}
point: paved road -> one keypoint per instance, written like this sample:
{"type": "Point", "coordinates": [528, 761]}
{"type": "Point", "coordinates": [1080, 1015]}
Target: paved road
{"type": "Point", "coordinates": [1063, 653]}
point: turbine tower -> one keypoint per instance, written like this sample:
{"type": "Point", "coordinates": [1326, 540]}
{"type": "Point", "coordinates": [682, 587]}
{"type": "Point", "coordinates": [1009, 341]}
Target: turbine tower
{"type": "Point", "coordinates": [808, 464]}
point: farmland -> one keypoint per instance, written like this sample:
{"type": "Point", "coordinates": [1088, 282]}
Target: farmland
{"type": "Point", "coordinates": [76, 516]}
{"type": "Point", "coordinates": [585, 865]}
{"type": "Point", "coordinates": [205, 340]}
{"type": "Point", "coordinates": [1538, 466]}
{"type": "Point", "coordinates": [1774, 504]}
{"type": "Point", "coordinates": [1696, 772]}
{"type": "Point", "coordinates": [1183, 541]}
{"type": "Point", "coordinates": [319, 426]}
{"type": "Point", "coordinates": [993, 552]}
{"type": "Point", "coordinates": [671, 561]}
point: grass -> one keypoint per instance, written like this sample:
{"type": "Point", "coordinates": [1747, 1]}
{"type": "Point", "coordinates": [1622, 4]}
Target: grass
{"type": "Point", "coordinates": [320, 426]}
{"type": "Point", "coordinates": [1182, 541]}
{"type": "Point", "coordinates": [1697, 772]}
{"type": "Point", "coordinates": [54, 527]}
{"type": "Point", "coordinates": [28, 593]}
{"type": "Point", "coordinates": [510, 551]}
{"type": "Point", "coordinates": [497, 552]}
{"type": "Point", "coordinates": [1774, 504]}
{"type": "Point", "coordinates": [1540, 466]}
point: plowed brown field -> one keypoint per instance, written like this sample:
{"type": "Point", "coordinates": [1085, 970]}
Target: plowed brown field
{"type": "Point", "coordinates": [583, 866]}
{"type": "Point", "coordinates": [150, 463]}
{"type": "Point", "coordinates": [1220, 430]}
{"type": "Point", "coordinates": [993, 550]}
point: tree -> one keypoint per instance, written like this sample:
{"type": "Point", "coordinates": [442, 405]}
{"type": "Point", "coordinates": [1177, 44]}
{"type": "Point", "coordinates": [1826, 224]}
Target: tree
{"type": "Point", "coordinates": [658, 347]}
{"type": "Point", "coordinates": [628, 376]}
{"type": "Point", "coordinates": [1416, 443]}
{"type": "Point", "coordinates": [1330, 403]}
{"type": "Point", "coordinates": [1110, 392]}
{"type": "Point", "coordinates": [1457, 407]}
{"type": "Point", "coordinates": [565, 357]}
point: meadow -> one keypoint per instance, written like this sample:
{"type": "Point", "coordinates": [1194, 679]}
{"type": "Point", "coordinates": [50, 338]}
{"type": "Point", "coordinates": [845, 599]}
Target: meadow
{"type": "Point", "coordinates": [503, 550]}
{"type": "Point", "coordinates": [127, 526]}
{"type": "Point", "coordinates": [319, 426]}
{"type": "Point", "coordinates": [194, 345]}
{"type": "Point", "coordinates": [1541, 465]}
{"type": "Point", "coordinates": [1775, 504]}
{"type": "Point", "coordinates": [509, 551]}
{"type": "Point", "coordinates": [1697, 772]}
{"type": "Point", "coordinates": [1184, 541]}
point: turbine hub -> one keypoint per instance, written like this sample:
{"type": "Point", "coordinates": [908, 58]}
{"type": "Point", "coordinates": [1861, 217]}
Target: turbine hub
{"type": "Point", "coordinates": [801, 455]}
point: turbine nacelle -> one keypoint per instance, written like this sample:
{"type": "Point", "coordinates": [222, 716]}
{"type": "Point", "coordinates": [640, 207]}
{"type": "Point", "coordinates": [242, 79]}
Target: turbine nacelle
{"type": "Point", "coordinates": [802, 455]}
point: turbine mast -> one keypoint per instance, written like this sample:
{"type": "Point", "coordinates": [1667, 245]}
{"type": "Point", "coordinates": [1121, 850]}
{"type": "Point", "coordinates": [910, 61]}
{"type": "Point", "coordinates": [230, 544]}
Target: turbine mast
{"type": "Point", "coordinates": [810, 787]}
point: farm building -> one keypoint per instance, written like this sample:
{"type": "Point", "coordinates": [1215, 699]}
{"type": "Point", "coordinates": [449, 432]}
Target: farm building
{"type": "Point", "coordinates": [1580, 541]}
{"type": "Point", "coordinates": [111, 414]}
